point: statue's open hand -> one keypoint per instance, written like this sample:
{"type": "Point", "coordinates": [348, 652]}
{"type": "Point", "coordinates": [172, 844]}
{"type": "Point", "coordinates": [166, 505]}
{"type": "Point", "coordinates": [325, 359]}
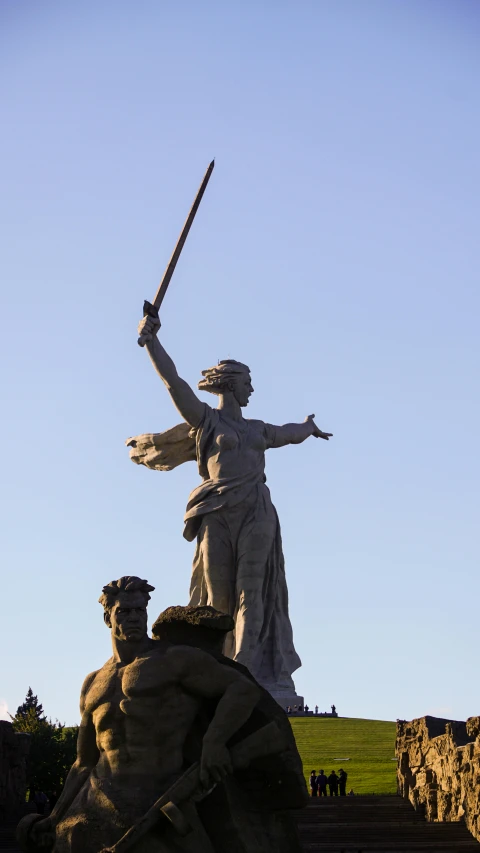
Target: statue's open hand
{"type": "Point", "coordinates": [215, 764]}
{"type": "Point", "coordinates": [148, 328]}
{"type": "Point", "coordinates": [315, 430]}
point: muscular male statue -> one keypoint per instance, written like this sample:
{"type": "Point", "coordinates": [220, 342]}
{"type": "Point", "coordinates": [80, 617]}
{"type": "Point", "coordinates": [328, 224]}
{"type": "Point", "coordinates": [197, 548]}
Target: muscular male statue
{"type": "Point", "coordinates": [138, 714]}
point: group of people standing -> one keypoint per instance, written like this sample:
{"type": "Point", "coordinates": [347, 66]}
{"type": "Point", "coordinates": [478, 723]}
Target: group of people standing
{"type": "Point", "coordinates": [336, 784]}
{"type": "Point", "coordinates": [300, 709]}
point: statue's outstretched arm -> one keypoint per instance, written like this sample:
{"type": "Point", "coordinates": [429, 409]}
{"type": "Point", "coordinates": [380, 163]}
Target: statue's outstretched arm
{"type": "Point", "coordinates": [186, 401]}
{"type": "Point", "coordinates": [296, 433]}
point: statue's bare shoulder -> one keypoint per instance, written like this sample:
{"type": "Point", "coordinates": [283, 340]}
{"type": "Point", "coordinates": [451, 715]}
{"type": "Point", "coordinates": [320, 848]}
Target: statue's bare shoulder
{"type": "Point", "coordinates": [184, 658]}
{"type": "Point", "coordinates": [202, 674]}
{"type": "Point", "coordinates": [95, 685]}
{"type": "Point", "coordinates": [87, 683]}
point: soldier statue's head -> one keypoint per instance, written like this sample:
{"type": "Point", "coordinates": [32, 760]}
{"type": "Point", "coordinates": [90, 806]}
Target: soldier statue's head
{"type": "Point", "coordinates": [125, 607]}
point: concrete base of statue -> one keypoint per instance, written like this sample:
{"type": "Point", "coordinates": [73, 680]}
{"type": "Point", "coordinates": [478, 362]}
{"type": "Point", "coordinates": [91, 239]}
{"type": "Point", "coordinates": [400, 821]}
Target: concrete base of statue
{"type": "Point", "coordinates": [287, 700]}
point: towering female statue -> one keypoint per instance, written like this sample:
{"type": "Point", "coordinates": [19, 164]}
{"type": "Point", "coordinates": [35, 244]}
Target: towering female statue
{"type": "Point", "coordinates": [238, 566]}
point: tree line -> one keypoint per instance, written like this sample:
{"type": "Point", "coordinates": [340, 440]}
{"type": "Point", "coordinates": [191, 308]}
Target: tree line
{"type": "Point", "coordinates": [53, 746]}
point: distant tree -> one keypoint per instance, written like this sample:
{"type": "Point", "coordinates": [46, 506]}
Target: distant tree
{"type": "Point", "coordinates": [31, 703]}
{"type": "Point", "coordinates": [52, 749]}
{"type": "Point", "coordinates": [66, 738]}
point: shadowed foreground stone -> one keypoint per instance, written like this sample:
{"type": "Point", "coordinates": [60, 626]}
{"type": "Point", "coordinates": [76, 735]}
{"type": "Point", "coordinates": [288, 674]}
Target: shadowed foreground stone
{"type": "Point", "coordinates": [175, 741]}
{"type": "Point", "coordinates": [14, 748]}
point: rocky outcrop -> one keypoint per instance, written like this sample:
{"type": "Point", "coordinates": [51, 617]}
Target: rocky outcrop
{"type": "Point", "coordinates": [439, 768]}
{"type": "Point", "coordinates": [14, 748]}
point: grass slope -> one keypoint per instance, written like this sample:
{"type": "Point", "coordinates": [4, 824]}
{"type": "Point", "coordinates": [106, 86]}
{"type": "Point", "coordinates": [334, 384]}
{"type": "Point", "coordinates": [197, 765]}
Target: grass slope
{"type": "Point", "coordinates": [369, 744]}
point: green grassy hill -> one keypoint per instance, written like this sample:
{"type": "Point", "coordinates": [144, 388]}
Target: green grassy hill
{"type": "Point", "coordinates": [369, 744]}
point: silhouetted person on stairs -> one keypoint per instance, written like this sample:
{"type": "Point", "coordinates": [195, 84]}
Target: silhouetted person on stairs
{"type": "Point", "coordinates": [342, 783]}
{"type": "Point", "coordinates": [333, 784]}
{"type": "Point", "coordinates": [322, 784]}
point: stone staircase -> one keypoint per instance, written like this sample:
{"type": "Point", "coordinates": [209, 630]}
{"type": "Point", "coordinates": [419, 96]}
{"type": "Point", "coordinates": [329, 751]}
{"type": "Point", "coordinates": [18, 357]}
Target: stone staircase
{"type": "Point", "coordinates": [374, 824]}
{"type": "Point", "coordinates": [7, 838]}
{"type": "Point", "coordinates": [357, 825]}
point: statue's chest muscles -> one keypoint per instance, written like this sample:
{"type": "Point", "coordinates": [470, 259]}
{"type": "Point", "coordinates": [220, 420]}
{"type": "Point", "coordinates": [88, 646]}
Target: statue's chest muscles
{"type": "Point", "coordinates": [104, 695]}
{"type": "Point", "coordinates": [116, 681]}
{"type": "Point", "coordinates": [144, 692]}
{"type": "Point", "coordinates": [147, 677]}
{"type": "Point", "coordinates": [152, 692]}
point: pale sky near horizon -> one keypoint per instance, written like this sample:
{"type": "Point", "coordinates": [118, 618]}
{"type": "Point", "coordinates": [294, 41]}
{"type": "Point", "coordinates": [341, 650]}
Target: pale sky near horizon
{"type": "Point", "coordinates": [336, 252]}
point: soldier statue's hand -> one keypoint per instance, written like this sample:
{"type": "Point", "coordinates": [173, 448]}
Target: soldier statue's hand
{"type": "Point", "coordinates": [215, 763]}
{"type": "Point", "coordinates": [148, 327]}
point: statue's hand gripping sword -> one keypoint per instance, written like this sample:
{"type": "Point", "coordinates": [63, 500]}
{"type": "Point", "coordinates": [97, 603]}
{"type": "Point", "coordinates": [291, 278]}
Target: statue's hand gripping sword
{"type": "Point", "coordinates": [151, 308]}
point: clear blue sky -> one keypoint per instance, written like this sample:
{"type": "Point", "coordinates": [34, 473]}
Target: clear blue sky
{"type": "Point", "coordinates": [336, 252]}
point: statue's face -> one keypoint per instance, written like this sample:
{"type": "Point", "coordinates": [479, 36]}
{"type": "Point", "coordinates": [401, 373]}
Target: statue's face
{"type": "Point", "coordinates": [242, 389]}
{"type": "Point", "coordinates": [128, 617]}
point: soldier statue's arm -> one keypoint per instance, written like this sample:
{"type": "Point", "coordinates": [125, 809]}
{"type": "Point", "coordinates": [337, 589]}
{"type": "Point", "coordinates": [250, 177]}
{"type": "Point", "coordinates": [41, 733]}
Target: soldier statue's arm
{"type": "Point", "coordinates": [296, 433]}
{"type": "Point", "coordinates": [202, 675]}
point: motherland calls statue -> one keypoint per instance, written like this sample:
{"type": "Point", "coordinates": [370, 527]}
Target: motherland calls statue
{"type": "Point", "coordinates": [238, 566]}
{"type": "Point", "coordinates": [178, 749]}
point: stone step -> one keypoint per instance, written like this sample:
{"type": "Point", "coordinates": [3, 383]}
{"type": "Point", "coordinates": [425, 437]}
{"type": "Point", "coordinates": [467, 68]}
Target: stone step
{"type": "Point", "coordinates": [391, 844]}
{"type": "Point", "coordinates": [7, 839]}
{"type": "Point", "coordinates": [379, 825]}
{"type": "Point", "coordinates": [358, 825]}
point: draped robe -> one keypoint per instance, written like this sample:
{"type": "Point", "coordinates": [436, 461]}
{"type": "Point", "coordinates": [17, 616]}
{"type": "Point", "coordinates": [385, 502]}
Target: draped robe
{"type": "Point", "coordinates": [238, 566]}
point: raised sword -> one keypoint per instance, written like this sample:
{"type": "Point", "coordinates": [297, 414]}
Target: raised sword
{"type": "Point", "coordinates": [152, 308]}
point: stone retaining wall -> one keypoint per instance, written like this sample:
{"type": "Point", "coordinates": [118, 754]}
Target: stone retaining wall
{"type": "Point", "coordinates": [14, 748]}
{"type": "Point", "coordinates": [439, 768]}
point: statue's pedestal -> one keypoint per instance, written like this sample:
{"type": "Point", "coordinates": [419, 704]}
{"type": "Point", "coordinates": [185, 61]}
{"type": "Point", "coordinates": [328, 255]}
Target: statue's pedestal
{"type": "Point", "coordinates": [284, 693]}
{"type": "Point", "coordinates": [288, 699]}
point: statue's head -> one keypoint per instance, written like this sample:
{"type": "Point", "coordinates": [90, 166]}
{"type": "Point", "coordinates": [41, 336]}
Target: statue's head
{"type": "Point", "coordinates": [228, 375]}
{"type": "Point", "coordinates": [125, 607]}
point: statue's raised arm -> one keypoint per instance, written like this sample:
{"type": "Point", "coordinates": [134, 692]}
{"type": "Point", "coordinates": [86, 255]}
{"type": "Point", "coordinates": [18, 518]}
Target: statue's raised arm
{"type": "Point", "coordinates": [185, 400]}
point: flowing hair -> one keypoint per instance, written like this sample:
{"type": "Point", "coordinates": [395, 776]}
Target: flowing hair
{"type": "Point", "coordinates": [221, 377]}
